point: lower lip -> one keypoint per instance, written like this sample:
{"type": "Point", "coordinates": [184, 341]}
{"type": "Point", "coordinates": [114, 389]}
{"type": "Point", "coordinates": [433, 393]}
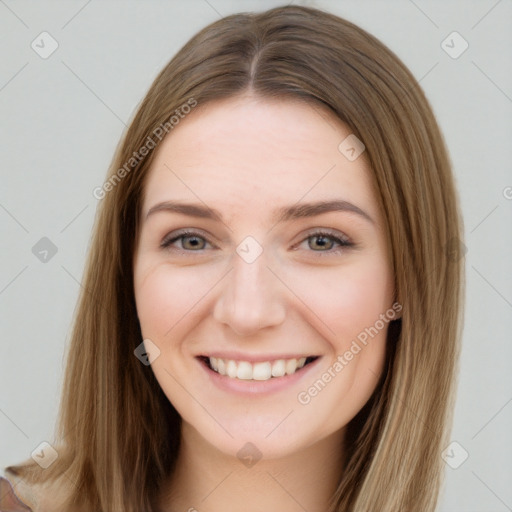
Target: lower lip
{"type": "Point", "coordinates": [257, 387]}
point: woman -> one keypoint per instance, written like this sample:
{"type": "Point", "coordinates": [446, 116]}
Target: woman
{"type": "Point", "coordinates": [271, 305]}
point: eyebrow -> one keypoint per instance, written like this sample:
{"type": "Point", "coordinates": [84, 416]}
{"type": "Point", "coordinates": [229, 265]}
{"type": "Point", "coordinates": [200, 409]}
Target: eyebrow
{"type": "Point", "coordinates": [287, 213]}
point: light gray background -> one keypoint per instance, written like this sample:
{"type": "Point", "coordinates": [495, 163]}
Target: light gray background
{"type": "Point", "coordinates": [61, 118]}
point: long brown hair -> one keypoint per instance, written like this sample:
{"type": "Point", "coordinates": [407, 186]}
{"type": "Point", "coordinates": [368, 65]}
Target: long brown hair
{"type": "Point", "coordinates": [118, 434]}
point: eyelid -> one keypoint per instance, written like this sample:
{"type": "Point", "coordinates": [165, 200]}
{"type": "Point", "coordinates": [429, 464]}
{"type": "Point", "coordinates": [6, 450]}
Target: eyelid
{"type": "Point", "coordinates": [327, 232]}
{"type": "Point", "coordinates": [344, 242]}
{"type": "Point", "coordinates": [176, 235]}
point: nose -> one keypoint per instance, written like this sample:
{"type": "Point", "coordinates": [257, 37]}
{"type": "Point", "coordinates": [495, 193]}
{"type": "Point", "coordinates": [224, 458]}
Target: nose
{"type": "Point", "coordinates": [251, 298]}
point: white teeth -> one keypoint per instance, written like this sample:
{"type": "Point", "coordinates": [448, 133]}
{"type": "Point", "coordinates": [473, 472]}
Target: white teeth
{"type": "Point", "coordinates": [291, 366]}
{"type": "Point", "coordinates": [279, 368]}
{"type": "Point", "coordinates": [244, 370]}
{"type": "Point", "coordinates": [265, 370]}
{"type": "Point", "coordinates": [261, 371]}
{"type": "Point", "coordinates": [231, 369]}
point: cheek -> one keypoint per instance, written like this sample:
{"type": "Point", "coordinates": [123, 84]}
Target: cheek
{"type": "Point", "coordinates": [351, 304]}
{"type": "Point", "coordinates": [155, 304]}
{"type": "Point", "coordinates": [364, 296]}
{"type": "Point", "coordinates": [346, 300]}
{"type": "Point", "coordinates": [166, 296]}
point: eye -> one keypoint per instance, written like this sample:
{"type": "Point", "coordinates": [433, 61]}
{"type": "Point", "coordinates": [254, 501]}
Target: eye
{"type": "Point", "coordinates": [190, 241]}
{"type": "Point", "coordinates": [318, 241]}
{"type": "Point", "coordinates": [324, 242]}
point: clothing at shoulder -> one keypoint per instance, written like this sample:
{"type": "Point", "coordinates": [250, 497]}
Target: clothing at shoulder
{"type": "Point", "coordinates": [9, 501]}
{"type": "Point", "coordinates": [17, 494]}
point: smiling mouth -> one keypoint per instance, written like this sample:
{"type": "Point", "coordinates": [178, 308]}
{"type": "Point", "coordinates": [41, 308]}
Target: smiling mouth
{"type": "Point", "coordinates": [261, 371]}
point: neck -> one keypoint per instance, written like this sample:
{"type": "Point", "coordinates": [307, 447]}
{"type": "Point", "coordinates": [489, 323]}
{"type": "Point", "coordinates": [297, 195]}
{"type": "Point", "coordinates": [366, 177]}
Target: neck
{"type": "Point", "coordinates": [207, 480]}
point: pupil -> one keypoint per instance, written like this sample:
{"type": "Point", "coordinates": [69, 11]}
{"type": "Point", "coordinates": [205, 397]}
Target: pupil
{"type": "Point", "coordinates": [193, 241]}
{"type": "Point", "coordinates": [322, 241]}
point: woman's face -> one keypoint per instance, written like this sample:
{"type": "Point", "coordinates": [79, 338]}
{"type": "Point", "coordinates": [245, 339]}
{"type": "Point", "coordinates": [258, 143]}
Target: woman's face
{"type": "Point", "coordinates": [269, 310]}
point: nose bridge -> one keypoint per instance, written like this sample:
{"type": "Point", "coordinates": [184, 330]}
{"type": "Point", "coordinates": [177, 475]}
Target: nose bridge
{"type": "Point", "coordinates": [250, 298]}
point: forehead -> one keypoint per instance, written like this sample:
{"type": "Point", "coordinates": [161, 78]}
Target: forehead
{"type": "Point", "coordinates": [253, 154]}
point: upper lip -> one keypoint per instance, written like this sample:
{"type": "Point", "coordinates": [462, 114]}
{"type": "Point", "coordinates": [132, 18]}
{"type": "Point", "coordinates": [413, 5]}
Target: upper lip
{"type": "Point", "coordinates": [256, 358]}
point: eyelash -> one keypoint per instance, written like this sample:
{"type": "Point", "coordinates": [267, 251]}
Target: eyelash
{"type": "Point", "coordinates": [342, 242]}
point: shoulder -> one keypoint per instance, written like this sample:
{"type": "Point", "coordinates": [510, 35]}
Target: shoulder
{"type": "Point", "coordinates": [11, 499]}
{"type": "Point", "coordinates": [19, 495]}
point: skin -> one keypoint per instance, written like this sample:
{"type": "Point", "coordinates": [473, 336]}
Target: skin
{"type": "Point", "coordinates": [244, 157]}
